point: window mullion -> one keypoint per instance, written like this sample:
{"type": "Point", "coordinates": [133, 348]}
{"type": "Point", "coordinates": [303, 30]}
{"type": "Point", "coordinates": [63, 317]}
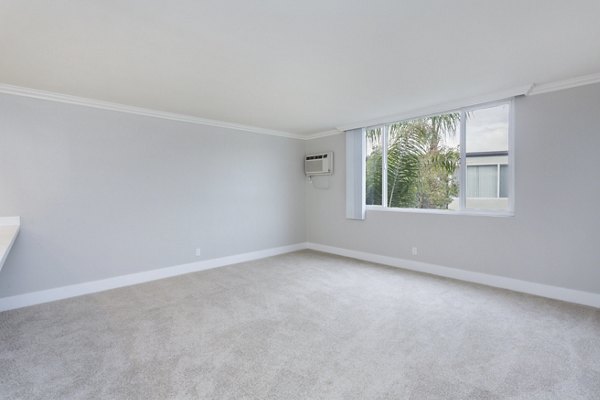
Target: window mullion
{"type": "Point", "coordinates": [511, 156]}
{"type": "Point", "coordinates": [462, 180]}
{"type": "Point", "coordinates": [384, 141]}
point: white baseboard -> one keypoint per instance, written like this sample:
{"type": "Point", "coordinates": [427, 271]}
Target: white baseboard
{"type": "Point", "coordinates": [64, 292]}
{"type": "Point", "coordinates": [538, 289]}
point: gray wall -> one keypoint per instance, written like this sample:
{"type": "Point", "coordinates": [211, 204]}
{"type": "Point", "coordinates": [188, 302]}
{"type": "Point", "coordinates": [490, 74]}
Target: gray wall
{"type": "Point", "coordinates": [104, 193]}
{"type": "Point", "coordinates": [552, 239]}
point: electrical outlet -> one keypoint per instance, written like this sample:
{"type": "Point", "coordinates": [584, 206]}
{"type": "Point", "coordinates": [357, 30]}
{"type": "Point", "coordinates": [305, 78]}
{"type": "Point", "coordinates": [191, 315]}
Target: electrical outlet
{"type": "Point", "coordinates": [414, 251]}
{"type": "Point", "coordinates": [198, 252]}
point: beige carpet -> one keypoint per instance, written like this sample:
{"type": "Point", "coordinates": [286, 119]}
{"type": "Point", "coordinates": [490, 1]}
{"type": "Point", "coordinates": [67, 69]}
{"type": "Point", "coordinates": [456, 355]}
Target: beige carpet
{"type": "Point", "coordinates": [301, 326]}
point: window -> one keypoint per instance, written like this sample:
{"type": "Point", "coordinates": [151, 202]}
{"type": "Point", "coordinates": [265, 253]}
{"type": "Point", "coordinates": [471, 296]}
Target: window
{"type": "Point", "coordinates": [503, 181]}
{"type": "Point", "coordinates": [452, 161]}
{"type": "Point", "coordinates": [487, 181]}
{"type": "Point", "coordinates": [482, 181]}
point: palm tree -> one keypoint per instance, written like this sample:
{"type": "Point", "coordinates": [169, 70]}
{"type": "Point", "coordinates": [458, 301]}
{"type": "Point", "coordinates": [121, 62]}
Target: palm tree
{"type": "Point", "coordinates": [420, 167]}
{"type": "Point", "coordinates": [374, 167]}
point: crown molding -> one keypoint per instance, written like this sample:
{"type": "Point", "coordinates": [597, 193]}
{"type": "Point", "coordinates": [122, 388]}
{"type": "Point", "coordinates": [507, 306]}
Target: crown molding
{"type": "Point", "coordinates": [528, 90]}
{"type": "Point", "coordinates": [565, 84]}
{"type": "Point", "coordinates": [106, 105]}
{"type": "Point", "coordinates": [322, 134]}
{"type": "Point", "coordinates": [440, 108]}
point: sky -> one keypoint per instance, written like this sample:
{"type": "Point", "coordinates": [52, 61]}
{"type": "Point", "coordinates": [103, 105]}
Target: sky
{"type": "Point", "coordinates": [487, 130]}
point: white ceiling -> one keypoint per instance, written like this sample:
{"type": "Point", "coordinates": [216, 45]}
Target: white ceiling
{"type": "Point", "coordinates": [295, 66]}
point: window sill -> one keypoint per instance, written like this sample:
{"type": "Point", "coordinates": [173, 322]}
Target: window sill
{"type": "Point", "coordinates": [473, 213]}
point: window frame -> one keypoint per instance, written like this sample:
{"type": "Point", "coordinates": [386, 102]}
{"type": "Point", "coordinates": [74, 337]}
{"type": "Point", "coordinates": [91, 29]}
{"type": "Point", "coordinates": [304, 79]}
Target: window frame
{"type": "Point", "coordinates": [462, 173]}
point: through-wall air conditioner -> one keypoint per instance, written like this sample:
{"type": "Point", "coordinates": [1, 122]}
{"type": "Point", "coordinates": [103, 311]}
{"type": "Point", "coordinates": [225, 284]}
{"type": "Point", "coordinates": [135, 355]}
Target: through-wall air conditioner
{"type": "Point", "coordinates": [318, 164]}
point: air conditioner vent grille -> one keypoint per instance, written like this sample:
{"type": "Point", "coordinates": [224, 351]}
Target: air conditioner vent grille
{"type": "Point", "coordinates": [318, 164]}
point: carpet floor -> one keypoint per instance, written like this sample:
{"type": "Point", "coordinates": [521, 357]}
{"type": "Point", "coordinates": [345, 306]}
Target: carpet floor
{"type": "Point", "coordinates": [304, 325]}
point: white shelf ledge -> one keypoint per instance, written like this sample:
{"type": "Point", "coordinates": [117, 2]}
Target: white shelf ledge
{"type": "Point", "coordinates": [9, 229]}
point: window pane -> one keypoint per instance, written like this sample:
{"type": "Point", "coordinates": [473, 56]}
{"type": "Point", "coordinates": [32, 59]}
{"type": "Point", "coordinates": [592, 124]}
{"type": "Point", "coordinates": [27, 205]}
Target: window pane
{"type": "Point", "coordinates": [422, 161]}
{"type": "Point", "coordinates": [504, 181]}
{"type": "Point", "coordinates": [374, 166]}
{"type": "Point", "coordinates": [486, 147]}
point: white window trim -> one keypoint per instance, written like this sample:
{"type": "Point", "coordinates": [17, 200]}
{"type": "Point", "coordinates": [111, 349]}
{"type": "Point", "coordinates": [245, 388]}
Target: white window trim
{"type": "Point", "coordinates": [509, 212]}
{"type": "Point", "coordinates": [511, 156]}
{"type": "Point", "coordinates": [498, 181]}
{"type": "Point", "coordinates": [384, 165]}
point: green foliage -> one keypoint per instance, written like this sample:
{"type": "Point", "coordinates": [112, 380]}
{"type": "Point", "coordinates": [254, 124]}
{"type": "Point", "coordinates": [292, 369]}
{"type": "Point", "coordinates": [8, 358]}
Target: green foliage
{"type": "Point", "coordinates": [374, 170]}
{"type": "Point", "coordinates": [420, 169]}
{"type": "Point", "coordinates": [373, 178]}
